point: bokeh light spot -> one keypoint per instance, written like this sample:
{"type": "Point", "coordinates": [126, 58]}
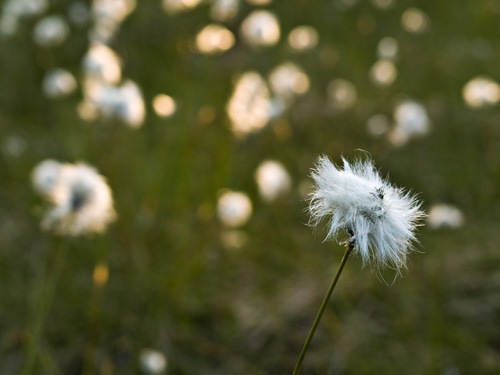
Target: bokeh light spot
{"type": "Point", "coordinates": [272, 180]}
{"type": "Point", "coordinates": [164, 105]}
{"type": "Point", "coordinates": [152, 362]}
{"type": "Point", "coordinates": [258, 2]}
{"type": "Point", "coordinates": [481, 92]}
{"type": "Point", "coordinates": [287, 80]}
{"type": "Point", "coordinates": [388, 48]}
{"type": "Point", "coordinates": [51, 31]}
{"type": "Point", "coordinates": [415, 21]}
{"type": "Point", "coordinates": [214, 39]}
{"type": "Point", "coordinates": [377, 125]}
{"type": "Point", "coordinates": [383, 4]}
{"type": "Point", "coordinates": [234, 209]}
{"type": "Point", "coordinates": [383, 73]}
{"type": "Point", "coordinates": [342, 94]}
{"type": "Point", "coordinates": [224, 10]}
{"type": "Point", "coordinates": [411, 120]}
{"type": "Point", "coordinates": [249, 108]}
{"type": "Point", "coordinates": [445, 216]}
{"type": "Point", "coordinates": [101, 274]}
{"type": "Point", "coordinates": [58, 83]}
{"type": "Point", "coordinates": [175, 6]}
{"type": "Point", "coordinates": [303, 38]}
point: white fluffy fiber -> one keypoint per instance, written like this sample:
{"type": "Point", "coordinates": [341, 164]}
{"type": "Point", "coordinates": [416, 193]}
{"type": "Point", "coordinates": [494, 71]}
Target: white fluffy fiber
{"type": "Point", "coordinates": [380, 218]}
{"type": "Point", "coordinates": [81, 201]}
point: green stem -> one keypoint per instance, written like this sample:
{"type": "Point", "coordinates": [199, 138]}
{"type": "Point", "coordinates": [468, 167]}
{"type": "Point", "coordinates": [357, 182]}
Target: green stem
{"type": "Point", "coordinates": [322, 309]}
{"type": "Point", "coordinates": [95, 307]}
{"type": "Point", "coordinates": [43, 309]}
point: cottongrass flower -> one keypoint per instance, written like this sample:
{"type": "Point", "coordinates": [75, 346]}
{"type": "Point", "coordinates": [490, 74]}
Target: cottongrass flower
{"type": "Point", "coordinates": [249, 107]}
{"type": "Point", "coordinates": [152, 361]}
{"type": "Point", "coordinates": [260, 29]}
{"type": "Point", "coordinates": [445, 216]}
{"type": "Point", "coordinates": [44, 176]}
{"type": "Point", "coordinates": [379, 219]}
{"type": "Point", "coordinates": [58, 83]}
{"type": "Point", "coordinates": [51, 31]}
{"type": "Point", "coordinates": [273, 180]}
{"type": "Point", "coordinates": [81, 200]}
{"type": "Point", "coordinates": [411, 120]}
{"type": "Point", "coordinates": [81, 204]}
{"type": "Point", "coordinates": [234, 208]}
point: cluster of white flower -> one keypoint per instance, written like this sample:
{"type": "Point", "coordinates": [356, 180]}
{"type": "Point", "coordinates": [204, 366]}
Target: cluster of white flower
{"type": "Point", "coordinates": [108, 16]}
{"type": "Point", "coordinates": [14, 10]}
{"type": "Point", "coordinates": [81, 200]}
{"type": "Point", "coordinates": [104, 91]}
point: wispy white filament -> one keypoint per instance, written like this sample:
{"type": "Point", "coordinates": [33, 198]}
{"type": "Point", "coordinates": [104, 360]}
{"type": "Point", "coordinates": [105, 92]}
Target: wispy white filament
{"type": "Point", "coordinates": [380, 218]}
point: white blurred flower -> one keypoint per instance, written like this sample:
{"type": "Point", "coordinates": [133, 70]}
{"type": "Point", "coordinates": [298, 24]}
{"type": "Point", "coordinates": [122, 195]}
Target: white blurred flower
{"type": "Point", "coordinates": [13, 10]}
{"type": "Point", "coordinates": [249, 108]}
{"type": "Point", "coordinates": [481, 92]}
{"type": "Point", "coordinates": [80, 197]}
{"type": "Point", "coordinates": [233, 239]}
{"type": "Point", "coordinates": [288, 80]}
{"type": "Point", "coordinates": [14, 146]}
{"type": "Point", "coordinates": [224, 10]}
{"type": "Point", "coordinates": [115, 10]}
{"type": "Point", "coordinates": [342, 94]}
{"type": "Point", "coordinates": [379, 218]}
{"type": "Point", "coordinates": [129, 104]}
{"type": "Point", "coordinates": [175, 6]}
{"type": "Point", "coordinates": [124, 102]}
{"type": "Point", "coordinates": [164, 105]}
{"type": "Point", "coordinates": [388, 48]}
{"type": "Point", "coordinates": [383, 73]}
{"type": "Point", "coordinates": [303, 38]}
{"type": "Point", "coordinates": [214, 39]}
{"type": "Point", "coordinates": [58, 83]}
{"type": "Point", "coordinates": [445, 216]}
{"type": "Point", "coordinates": [51, 31]}
{"type": "Point", "coordinates": [45, 175]}
{"type": "Point", "coordinates": [261, 29]}
{"type": "Point", "coordinates": [79, 12]}
{"type": "Point", "coordinates": [415, 21]}
{"type": "Point", "coordinates": [108, 16]}
{"type": "Point", "coordinates": [234, 209]}
{"type": "Point", "coordinates": [8, 24]}
{"type": "Point", "coordinates": [152, 361]}
{"type": "Point", "coordinates": [383, 4]}
{"type": "Point", "coordinates": [25, 7]}
{"type": "Point", "coordinates": [272, 180]}
{"type": "Point", "coordinates": [377, 125]}
{"type": "Point", "coordinates": [105, 93]}
{"type": "Point", "coordinates": [258, 2]}
{"type": "Point", "coordinates": [101, 62]}
{"type": "Point", "coordinates": [411, 121]}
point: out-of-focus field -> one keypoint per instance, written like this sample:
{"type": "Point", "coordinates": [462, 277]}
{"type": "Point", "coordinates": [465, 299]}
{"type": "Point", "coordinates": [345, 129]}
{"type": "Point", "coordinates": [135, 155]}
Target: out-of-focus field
{"type": "Point", "coordinates": [169, 274]}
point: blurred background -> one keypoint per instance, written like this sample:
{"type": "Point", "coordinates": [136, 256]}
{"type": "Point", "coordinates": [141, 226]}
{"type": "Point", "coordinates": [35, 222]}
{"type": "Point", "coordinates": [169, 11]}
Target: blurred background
{"type": "Point", "coordinates": [205, 117]}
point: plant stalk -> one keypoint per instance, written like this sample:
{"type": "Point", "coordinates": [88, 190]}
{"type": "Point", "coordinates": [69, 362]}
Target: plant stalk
{"type": "Point", "coordinates": [348, 251]}
{"type": "Point", "coordinates": [43, 309]}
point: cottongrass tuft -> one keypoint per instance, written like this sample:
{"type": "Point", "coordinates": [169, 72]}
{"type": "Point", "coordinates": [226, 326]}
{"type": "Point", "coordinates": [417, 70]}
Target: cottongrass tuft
{"type": "Point", "coordinates": [81, 200]}
{"type": "Point", "coordinates": [379, 218]}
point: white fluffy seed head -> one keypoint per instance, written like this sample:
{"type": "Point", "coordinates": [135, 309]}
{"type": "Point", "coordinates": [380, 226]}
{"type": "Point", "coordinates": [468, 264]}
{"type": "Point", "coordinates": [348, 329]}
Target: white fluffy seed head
{"type": "Point", "coordinates": [81, 200]}
{"type": "Point", "coordinates": [380, 218]}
